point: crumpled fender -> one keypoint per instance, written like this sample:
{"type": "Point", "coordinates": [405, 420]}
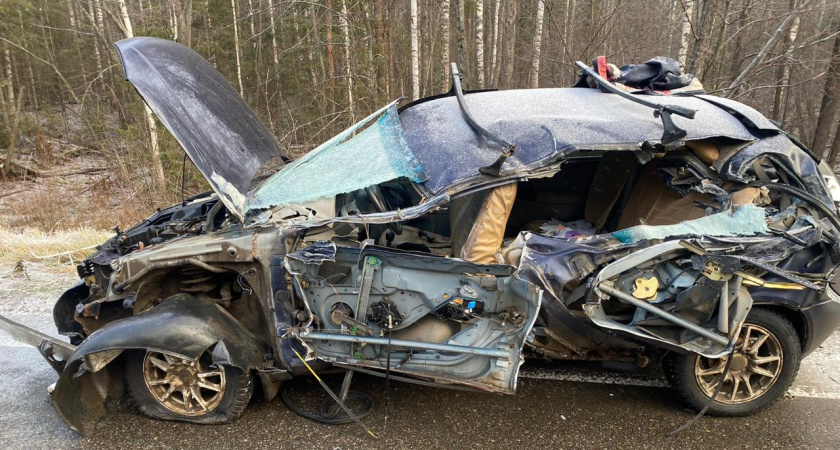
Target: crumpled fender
{"type": "Point", "coordinates": [181, 324]}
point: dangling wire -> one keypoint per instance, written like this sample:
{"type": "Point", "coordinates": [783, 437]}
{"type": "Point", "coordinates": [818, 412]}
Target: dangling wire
{"type": "Point", "coordinates": [702, 412]}
{"type": "Point", "coordinates": [388, 373]}
{"type": "Point", "coordinates": [335, 397]}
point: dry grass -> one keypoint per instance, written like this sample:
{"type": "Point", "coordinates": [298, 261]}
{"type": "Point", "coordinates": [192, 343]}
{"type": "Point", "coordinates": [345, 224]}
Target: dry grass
{"type": "Point", "coordinates": [33, 244]}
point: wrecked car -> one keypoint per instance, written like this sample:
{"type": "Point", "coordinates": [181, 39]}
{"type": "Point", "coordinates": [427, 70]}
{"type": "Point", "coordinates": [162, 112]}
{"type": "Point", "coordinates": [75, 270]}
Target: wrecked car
{"type": "Point", "coordinates": [446, 240]}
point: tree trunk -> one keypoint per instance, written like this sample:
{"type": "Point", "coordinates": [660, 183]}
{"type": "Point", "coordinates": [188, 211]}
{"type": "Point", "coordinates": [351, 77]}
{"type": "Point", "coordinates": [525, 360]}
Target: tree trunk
{"type": "Point", "coordinates": [236, 47]}
{"type": "Point", "coordinates": [830, 102]}
{"type": "Point", "coordinates": [479, 42]}
{"type": "Point", "coordinates": [251, 20]}
{"type": "Point", "coordinates": [494, 45]}
{"type": "Point", "coordinates": [10, 82]}
{"type": "Point", "coordinates": [444, 44]}
{"type": "Point", "coordinates": [685, 33]}
{"type": "Point", "coordinates": [128, 29]}
{"type": "Point", "coordinates": [759, 57]}
{"type": "Point", "coordinates": [92, 13]}
{"type": "Point", "coordinates": [330, 53]}
{"type": "Point", "coordinates": [275, 57]}
{"type": "Point", "coordinates": [508, 57]}
{"type": "Point", "coordinates": [783, 70]}
{"type": "Point", "coordinates": [415, 54]}
{"type": "Point", "coordinates": [183, 16]}
{"type": "Point", "coordinates": [693, 65]}
{"type": "Point", "coordinates": [72, 14]}
{"type": "Point", "coordinates": [834, 153]}
{"type": "Point", "coordinates": [381, 71]}
{"type": "Point", "coordinates": [348, 71]}
{"type": "Point", "coordinates": [569, 25]}
{"type": "Point", "coordinates": [462, 38]}
{"type": "Point", "coordinates": [535, 59]}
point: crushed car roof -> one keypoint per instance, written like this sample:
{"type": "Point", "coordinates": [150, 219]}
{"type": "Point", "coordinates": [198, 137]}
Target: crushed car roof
{"type": "Point", "coordinates": [545, 124]}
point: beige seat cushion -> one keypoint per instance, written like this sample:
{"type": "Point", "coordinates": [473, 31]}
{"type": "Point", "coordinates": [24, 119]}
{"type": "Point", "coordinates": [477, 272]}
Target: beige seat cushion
{"type": "Point", "coordinates": [652, 202]}
{"type": "Point", "coordinates": [478, 223]}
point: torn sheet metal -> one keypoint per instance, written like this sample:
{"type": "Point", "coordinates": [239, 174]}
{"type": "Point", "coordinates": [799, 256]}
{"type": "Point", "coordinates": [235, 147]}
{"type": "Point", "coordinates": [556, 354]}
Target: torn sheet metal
{"type": "Point", "coordinates": [785, 152]}
{"type": "Point", "coordinates": [748, 220]}
{"type": "Point", "coordinates": [345, 163]}
{"type": "Point", "coordinates": [218, 130]}
{"type": "Point", "coordinates": [544, 123]}
{"type": "Point", "coordinates": [82, 392]}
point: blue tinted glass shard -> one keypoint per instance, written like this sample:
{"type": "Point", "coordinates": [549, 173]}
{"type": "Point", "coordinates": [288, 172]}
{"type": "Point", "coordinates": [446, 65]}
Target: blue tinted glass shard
{"type": "Point", "coordinates": [345, 163]}
{"type": "Point", "coordinates": [748, 220]}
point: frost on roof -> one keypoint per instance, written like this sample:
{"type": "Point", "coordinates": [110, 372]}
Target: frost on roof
{"type": "Point", "coordinates": [376, 154]}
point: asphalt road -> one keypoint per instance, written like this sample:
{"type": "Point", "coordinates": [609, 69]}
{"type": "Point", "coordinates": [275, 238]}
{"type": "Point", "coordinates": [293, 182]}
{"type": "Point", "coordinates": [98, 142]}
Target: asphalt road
{"type": "Point", "coordinates": [557, 406]}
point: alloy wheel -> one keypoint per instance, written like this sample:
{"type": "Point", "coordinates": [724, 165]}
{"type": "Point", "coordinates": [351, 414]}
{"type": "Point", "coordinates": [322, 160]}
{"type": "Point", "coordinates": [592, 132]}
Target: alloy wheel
{"type": "Point", "coordinates": [190, 387]}
{"type": "Point", "coordinates": [756, 365]}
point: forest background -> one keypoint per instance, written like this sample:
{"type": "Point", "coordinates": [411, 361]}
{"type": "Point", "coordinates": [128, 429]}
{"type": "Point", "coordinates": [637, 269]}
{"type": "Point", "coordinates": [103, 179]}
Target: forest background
{"type": "Point", "coordinates": [79, 152]}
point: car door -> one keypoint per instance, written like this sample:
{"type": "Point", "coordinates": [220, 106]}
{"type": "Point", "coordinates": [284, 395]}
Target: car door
{"type": "Point", "coordinates": [446, 320]}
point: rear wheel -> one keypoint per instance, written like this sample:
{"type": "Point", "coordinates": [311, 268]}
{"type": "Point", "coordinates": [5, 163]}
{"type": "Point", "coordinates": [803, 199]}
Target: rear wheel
{"type": "Point", "coordinates": [764, 365]}
{"type": "Point", "coordinates": [170, 387]}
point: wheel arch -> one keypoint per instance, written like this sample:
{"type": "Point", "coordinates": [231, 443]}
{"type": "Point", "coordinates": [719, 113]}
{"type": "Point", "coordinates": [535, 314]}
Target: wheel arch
{"type": "Point", "coordinates": [181, 324]}
{"type": "Point", "coordinates": [795, 317]}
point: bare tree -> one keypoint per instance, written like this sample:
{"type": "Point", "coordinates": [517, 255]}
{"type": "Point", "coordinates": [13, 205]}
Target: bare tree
{"type": "Point", "coordinates": [508, 51]}
{"type": "Point", "coordinates": [415, 54]}
{"type": "Point", "coordinates": [494, 49]}
{"type": "Point", "coordinates": [274, 54]}
{"type": "Point", "coordinates": [685, 33]}
{"type": "Point", "coordinates": [783, 70]}
{"type": "Point", "coordinates": [236, 47]}
{"type": "Point", "coordinates": [759, 57]}
{"type": "Point", "coordinates": [830, 105]}
{"type": "Point", "coordinates": [462, 38]}
{"type": "Point", "coordinates": [444, 43]}
{"type": "Point", "coordinates": [128, 30]}
{"type": "Point", "coordinates": [183, 18]}
{"type": "Point", "coordinates": [348, 71]}
{"type": "Point", "coordinates": [535, 58]}
{"type": "Point", "coordinates": [479, 42]}
{"type": "Point", "coordinates": [10, 82]}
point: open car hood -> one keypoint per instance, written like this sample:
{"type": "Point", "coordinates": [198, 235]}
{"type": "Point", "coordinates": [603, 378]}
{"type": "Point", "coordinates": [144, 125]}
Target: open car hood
{"type": "Point", "coordinates": [218, 130]}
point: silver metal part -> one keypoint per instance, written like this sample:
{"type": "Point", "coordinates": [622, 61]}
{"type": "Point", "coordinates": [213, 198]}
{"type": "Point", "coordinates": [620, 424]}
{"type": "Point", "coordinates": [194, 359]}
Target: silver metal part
{"type": "Point", "coordinates": [319, 336]}
{"type": "Point", "coordinates": [609, 289]}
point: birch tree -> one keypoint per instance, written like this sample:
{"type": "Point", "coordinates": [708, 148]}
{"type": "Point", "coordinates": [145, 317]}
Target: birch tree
{"type": "Point", "coordinates": [415, 54]}
{"type": "Point", "coordinates": [685, 33]}
{"type": "Point", "coordinates": [535, 59]}
{"type": "Point", "coordinates": [274, 54]}
{"type": "Point", "coordinates": [494, 46]}
{"type": "Point", "coordinates": [236, 47]}
{"type": "Point", "coordinates": [348, 71]}
{"type": "Point", "coordinates": [479, 41]}
{"type": "Point", "coordinates": [444, 44]}
{"type": "Point", "coordinates": [157, 165]}
{"type": "Point", "coordinates": [10, 82]}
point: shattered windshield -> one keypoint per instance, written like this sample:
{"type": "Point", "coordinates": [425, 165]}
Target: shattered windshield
{"type": "Point", "coordinates": [377, 153]}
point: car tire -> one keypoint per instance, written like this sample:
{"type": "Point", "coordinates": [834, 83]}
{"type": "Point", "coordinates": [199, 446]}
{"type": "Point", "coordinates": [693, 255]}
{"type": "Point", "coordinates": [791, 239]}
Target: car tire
{"type": "Point", "coordinates": [693, 376]}
{"type": "Point", "coordinates": [235, 389]}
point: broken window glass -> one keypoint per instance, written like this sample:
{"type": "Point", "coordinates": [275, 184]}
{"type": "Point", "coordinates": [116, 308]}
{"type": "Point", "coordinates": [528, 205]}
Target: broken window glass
{"type": "Point", "coordinates": [376, 154]}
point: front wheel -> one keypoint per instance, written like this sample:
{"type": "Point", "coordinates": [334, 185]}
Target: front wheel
{"type": "Point", "coordinates": [763, 367]}
{"type": "Point", "coordinates": [169, 387]}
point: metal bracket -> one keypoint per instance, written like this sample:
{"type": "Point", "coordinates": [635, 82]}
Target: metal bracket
{"type": "Point", "coordinates": [369, 266]}
{"type": "Point", "coordinates": [494, 169]}
{"type": "Point", "coordinates": [672, 135]}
